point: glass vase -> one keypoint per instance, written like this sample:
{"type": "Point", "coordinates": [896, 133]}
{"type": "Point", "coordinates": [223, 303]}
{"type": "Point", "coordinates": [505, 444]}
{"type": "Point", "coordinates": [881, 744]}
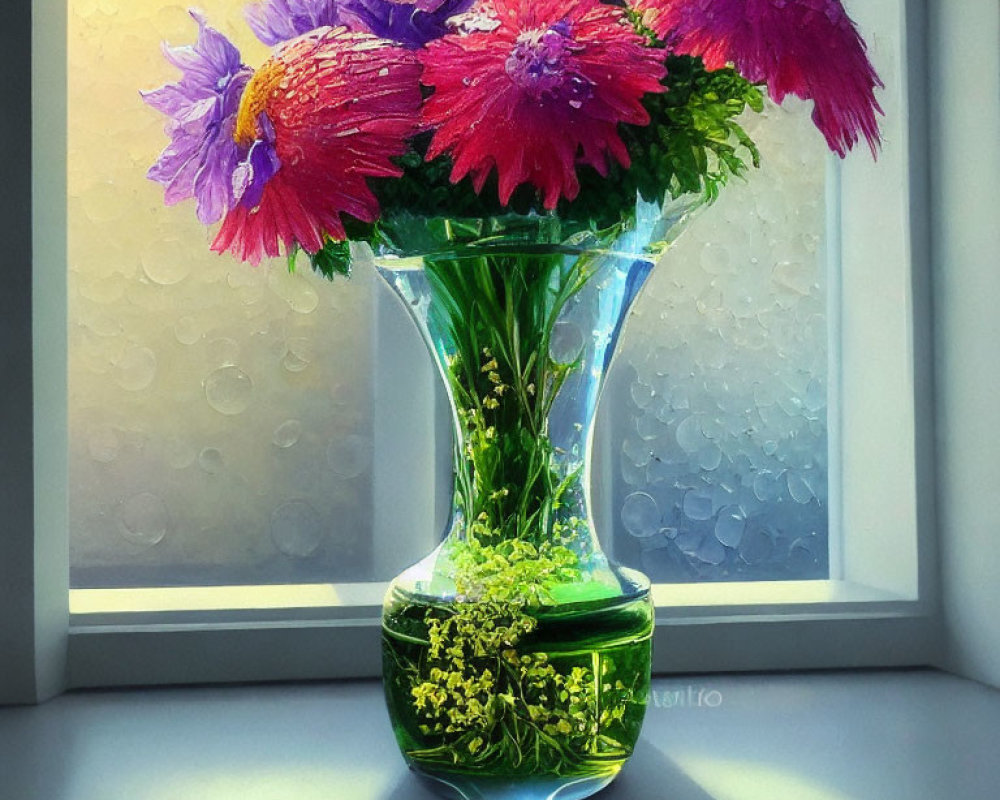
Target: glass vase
{"type": "Point", "coordinates": [516, 657]}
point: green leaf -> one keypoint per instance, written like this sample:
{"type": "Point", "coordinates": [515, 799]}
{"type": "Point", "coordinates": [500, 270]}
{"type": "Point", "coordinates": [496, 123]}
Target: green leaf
{"type": "Point", "coordinates": [333, 259]}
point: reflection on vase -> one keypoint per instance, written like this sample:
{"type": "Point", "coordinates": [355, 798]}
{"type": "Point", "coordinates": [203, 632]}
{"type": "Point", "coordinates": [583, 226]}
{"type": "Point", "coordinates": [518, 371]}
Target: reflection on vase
{"type": "Point", "coordinates": [516, 657]}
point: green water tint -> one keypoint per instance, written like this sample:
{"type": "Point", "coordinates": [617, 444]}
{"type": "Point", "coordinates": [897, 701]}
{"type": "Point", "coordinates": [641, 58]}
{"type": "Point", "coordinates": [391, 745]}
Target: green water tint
{"type": "Point", "coordinates": [516, 660]}
{"type": "Point", "coordinates": [508, 688]}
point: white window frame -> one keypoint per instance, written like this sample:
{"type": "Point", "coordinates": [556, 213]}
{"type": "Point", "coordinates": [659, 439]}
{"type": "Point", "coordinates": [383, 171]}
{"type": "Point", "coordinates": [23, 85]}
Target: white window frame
{"type": "Point", "coordinates": [879, 608]}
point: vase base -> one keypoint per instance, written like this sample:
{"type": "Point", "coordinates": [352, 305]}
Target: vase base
{"type": "Point", "coordinates": [472, 787]}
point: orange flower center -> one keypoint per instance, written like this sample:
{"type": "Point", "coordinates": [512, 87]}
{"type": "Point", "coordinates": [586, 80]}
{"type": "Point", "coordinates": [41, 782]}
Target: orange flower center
{"type": "Point", "coordinates": [264, 83]}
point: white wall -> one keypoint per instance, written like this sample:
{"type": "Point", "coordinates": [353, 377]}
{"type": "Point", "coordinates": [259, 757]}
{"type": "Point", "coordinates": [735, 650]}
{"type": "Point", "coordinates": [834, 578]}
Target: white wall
{"type": "Point", "coordinates": [965, 156]}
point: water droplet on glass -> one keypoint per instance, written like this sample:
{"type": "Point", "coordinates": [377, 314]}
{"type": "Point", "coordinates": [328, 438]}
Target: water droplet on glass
{"type": "Point", "coordinates": [298, 355]}
{"type": "Point", "coordinates": [763, 395]}
{"type": "Point", "coordinates": [350, 456]}
{"type": "Point", "coordinates": [642, 394]}
{"type": "Point", "coordinates": [136, 369]}
{"type": "Point", "coordinates": [697, 505]}
{"type": "Point", "coordinates": [680, 398]}
{"type": "Point", "coordinates": [689, 435]}
{"type": "Point", "coordinates": [710, 457]}
{"type": "Point", "coordinates": [715, 259]}
{"type": "Point", "coordinates": [187, 330]}
{"type": "Point", "coordinates": [223, 350]}
{"type": "Point", "coordinates": [296, 529]}
{"type": "Point", "coordinates": [287, 433]}
{"type": "Point", "coordinates": [729, 526]}
{"type": "Point", "coordinates": [637, 451]}
{"type": "Point", "coordinates": [567, 342]}
{"type": "Point", "coordinates": [815, 398]}
{"type": "Point", "coordinates": [178, 453]}
{"type": "Point", "coordinates": [689, 542]}
{"type": "Point", "coordinates": [143, 519]}
{"type": "Point", "coordinates": [228, 390]}
{"type": "Point", "coordinates": [211, 461]}
{"type": "Point", "coordinates": [770, 447]}
{"type": "Point", "coordinates": [649, 427]}
{"type": "Point", "coordinates": [163, 264]}
{"type": "Point", "coordinates": [711, 552]}
{"type": "Point", "coordinates": [765, 487]}
{"type": "Point", "coordinates": [294, 290]}
{"type": "Point", "coordinates": [640, 515]}
{"type": "Point", "coordinates": [756, 545]}
{"type": "Point", "coordinates": [103, 444]}
{"type": "Point", "coordinates": [798, 488]}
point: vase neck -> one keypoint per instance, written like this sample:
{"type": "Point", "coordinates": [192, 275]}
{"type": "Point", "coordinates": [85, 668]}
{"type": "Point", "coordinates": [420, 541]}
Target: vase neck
{"type": "Point", "coordinates": [523, 342]}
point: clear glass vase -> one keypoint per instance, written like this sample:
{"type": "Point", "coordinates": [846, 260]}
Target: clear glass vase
{"type": "Point", "coordinates": [516, 658]}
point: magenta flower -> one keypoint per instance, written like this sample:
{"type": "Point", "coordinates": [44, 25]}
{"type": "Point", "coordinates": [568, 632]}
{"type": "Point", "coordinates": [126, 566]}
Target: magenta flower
{"type": "Point", "coordinates": [276, 21]}
{"type": "Point", "coordinates": [412, 23]}
{"type": "Point", "coordinates": [809, 48]}
{"type": "Point", "coordinates": [201, 107]}
{"type": "Point", "coordinates": [327, 111]}
{"type": "Point", "coordinates": [534, 88]}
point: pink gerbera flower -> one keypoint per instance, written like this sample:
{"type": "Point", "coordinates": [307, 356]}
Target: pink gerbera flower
{"type": "Point", "coordinates": [532, 88]}
{"type": "Point", "coordinates": [327, 111]}
{"type": "Point", "coordinates": [809, 48]}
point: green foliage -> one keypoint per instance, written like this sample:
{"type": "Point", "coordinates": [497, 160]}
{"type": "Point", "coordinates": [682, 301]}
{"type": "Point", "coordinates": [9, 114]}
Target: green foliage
{"type": "Point", "coordinates": [333, 259]}
{"type": "Point", "coordinates": [479, 701]}
{"type": "Point", "coordinates": [499, 311]}
{"type": "Point", "coordinates": [693, 144]}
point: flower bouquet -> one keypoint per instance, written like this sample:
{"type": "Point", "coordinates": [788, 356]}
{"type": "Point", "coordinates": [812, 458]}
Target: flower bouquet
{"type": "Point", "coordinates": [515, 168]}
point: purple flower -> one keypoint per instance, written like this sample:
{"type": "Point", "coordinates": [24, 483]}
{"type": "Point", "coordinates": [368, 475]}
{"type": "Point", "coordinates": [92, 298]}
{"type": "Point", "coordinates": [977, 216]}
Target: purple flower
{"type": "Point", "coordinates": [276, 21]}
{"type": "Point", "coordinates": [259, 166]}
{"type": "Point", "coordinates": [412, 23]}
{"type": "Point", "coordinates": [202, 155]}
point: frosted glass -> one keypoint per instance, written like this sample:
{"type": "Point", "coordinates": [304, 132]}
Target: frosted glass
{"type": "Point", "coordinates": [220, 414]}
{"type": "Point", "coordinates": [718, 404]}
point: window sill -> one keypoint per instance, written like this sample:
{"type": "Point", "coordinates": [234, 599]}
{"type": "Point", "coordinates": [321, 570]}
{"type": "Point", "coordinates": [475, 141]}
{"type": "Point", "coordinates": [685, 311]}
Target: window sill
{"type": "Point", "coordinates": [237, 634]}
{"type": "Point", "coordinates": [708, 738]}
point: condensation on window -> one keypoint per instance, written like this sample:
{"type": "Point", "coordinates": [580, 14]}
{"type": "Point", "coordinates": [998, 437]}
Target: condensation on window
{"type": "Point", "coordinates": [220, 414]}
{"type": "Point", "coordinates": [717, 406]}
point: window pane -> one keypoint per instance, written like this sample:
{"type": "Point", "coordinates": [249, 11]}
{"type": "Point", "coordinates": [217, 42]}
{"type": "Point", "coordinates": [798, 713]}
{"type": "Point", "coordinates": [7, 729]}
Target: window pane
{"type": "Point", "coordinates": [221, 421]}
{"type": "Point", "coordinates": [220, 414]}
{"type": "Point", "coordinates": [719, 428]}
